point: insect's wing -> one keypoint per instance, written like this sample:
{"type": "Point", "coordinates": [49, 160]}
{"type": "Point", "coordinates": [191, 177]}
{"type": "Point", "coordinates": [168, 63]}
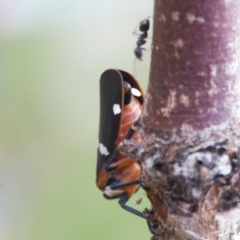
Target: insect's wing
{"type": "Point", "coordinates": [111, 102]}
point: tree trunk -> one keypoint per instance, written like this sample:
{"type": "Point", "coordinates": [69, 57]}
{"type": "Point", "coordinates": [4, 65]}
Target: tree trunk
{"type": "Point", "coordinates": [190, 121]}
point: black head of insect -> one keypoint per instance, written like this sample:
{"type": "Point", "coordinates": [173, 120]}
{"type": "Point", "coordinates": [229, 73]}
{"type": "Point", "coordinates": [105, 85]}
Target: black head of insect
{"type": "Point", "coordinates": [144, 25]}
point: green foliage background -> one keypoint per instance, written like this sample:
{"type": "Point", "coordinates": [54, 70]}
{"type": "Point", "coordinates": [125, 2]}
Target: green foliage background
{"type": "Point", "coordinates": [52, 54]}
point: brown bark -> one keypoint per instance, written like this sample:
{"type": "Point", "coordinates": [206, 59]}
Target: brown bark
{"type": "Point", "coordinates": [190, 121]}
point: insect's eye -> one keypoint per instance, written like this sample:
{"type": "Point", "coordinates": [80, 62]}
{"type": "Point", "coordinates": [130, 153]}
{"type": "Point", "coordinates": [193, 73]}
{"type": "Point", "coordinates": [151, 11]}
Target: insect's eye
{"type": "Point", "coordinates": [127, 93]}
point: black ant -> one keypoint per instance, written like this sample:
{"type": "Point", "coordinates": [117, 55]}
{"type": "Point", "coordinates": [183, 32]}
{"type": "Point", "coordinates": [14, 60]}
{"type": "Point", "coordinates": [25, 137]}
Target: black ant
{"type": "Point", "coordinates": [143, 27]}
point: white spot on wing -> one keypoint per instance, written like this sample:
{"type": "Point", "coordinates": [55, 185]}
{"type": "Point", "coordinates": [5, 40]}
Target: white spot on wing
{"type": "Point", "coordinates": [116, 109]}
{"type": "Point", "coordinates": [136, 92]}
{"type": "Point", "coordinates": [103, 150]}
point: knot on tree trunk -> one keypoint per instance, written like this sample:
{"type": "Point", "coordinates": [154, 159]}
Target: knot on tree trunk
{"type": "Point", "coordinates": [192, 184]}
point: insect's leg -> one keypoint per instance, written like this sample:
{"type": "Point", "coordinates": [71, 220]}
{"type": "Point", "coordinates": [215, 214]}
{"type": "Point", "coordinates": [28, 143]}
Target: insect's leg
{"type": "Point", "coordinates": [112, 157]}
{"type": "Point", "coordinates": [130, 133]}
{"type": "Point", "coordinates": [121, 185]}
{"type": "Point", "coordinates": [115, 154]}
{"type": "Point", "coordinates": [122, 201]}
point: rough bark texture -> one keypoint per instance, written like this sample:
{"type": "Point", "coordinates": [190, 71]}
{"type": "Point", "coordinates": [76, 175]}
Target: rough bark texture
{"type": "Point", "coordinates": [190, 121]}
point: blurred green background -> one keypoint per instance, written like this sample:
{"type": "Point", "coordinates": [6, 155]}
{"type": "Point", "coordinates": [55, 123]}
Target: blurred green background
{"type": "Point", "coordinates": [52, 53]}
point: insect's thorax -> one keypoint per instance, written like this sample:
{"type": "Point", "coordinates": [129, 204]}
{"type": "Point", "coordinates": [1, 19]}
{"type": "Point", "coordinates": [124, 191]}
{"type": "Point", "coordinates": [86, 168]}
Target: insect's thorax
{"type": "Point", "coordinates": [130, 114]}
